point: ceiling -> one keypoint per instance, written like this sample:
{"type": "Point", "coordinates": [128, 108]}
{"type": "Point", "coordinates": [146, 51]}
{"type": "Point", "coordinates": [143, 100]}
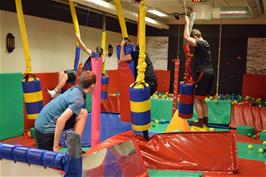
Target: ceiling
{"type": "Point", "coordinates": [171, 7]}
{"type": "Point", "coordinates": [177, 6]}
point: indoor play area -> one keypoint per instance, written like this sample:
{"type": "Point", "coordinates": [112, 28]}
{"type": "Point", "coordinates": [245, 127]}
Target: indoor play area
{"type": "Point", "coordinates": [125, 88]}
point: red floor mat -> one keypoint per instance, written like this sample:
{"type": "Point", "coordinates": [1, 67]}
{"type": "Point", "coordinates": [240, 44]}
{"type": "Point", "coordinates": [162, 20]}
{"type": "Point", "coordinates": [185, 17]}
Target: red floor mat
{"type": "Point", "coordinates": [24, 141]}
{"type": "Point", "coordinates": [200, 151]}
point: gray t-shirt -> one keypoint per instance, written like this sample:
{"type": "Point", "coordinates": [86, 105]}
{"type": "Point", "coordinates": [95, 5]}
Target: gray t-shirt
{"type": "Point", "coordinates": [73, 98]}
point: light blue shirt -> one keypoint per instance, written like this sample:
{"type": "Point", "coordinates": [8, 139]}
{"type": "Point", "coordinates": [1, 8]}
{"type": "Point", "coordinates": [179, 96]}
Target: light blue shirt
{"type": "Point", "coordinates": [73, 98]}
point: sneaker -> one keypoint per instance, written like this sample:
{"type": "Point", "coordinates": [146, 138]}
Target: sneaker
{"type": "Point", "coordinates": [53, 93]}
{"type": "Point", "coordinates": [198, 123]}
{"type": "Point", "coordinates": [205, 121]}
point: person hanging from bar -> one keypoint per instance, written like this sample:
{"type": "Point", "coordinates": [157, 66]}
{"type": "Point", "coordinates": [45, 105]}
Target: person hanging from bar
{"type": "Point", "coordinates": [150, 76]}
{"type": "Point", "coordinates": [202, 72]}
{"type": "Point", "coordinates": [69, 76]}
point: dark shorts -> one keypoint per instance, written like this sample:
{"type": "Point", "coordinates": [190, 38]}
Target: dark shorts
{"type": "Point", "coordinates": [203, 84]}
{"type": "Point", "coordinates": [46, 141]}
{"type": "Point", "coordinates": [71, 75]}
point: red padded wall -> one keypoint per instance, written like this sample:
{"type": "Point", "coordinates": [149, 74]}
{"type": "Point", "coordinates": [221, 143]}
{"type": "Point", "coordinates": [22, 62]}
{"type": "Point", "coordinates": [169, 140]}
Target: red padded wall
{"type": "Point", "coordinates": [254, 85]}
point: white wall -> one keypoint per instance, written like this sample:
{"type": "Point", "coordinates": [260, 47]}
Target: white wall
{"type": "Point", "coordinates": [51, 43]}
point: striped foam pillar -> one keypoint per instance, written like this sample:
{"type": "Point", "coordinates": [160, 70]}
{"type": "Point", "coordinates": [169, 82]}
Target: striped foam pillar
{"type": "Point", "coordinates": [186, 94]}
{"type": "Point", "coordinates": [104, 87]}
{"type": "Point", "coordinates": [33, 97]}
{"type": "Point", "coordinates": [140, 108]}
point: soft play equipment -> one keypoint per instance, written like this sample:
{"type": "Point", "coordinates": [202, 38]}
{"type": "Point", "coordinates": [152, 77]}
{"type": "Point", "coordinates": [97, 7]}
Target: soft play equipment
{"type": "Point", "coordinates": [254, 85]}
{"type": "Point", "coordinates": [30, 161]}
{"type": "Point", "coordinates": [111, 125]}
{"type": "Point", "coordinates": [104, 87]}
{"type": "Point", "coordinates": [245, 130]}
{"type": "Point", "coordinates": [76, 28]}
{"type": "Point", "coordinates": [11, 105]}
{"type": "Point", "coordinates": [186, 99]}
{"type": "Point", "coordinates": [115, 157]}
{"type": "Point", "coordinates": [96, 102]}
{"type": "Point", "coordinates": [33, 97]}
{"type": "Point", "coordinates": [177, 124]}
{"type": "Point", "coordinates": [186, 88]}
{"type": "Point", "coordinates": [176, 80]}
{"type": "Point", "coordinates": [140, 91]}
{"type": "Point", "coordinates": [190, 151]}
{"type": "Point", "coordinates": [249, 116]}
{"type": "Point", "coordinates": [140, 109]}
{"type": "Point", "coordinates": [125, 74]}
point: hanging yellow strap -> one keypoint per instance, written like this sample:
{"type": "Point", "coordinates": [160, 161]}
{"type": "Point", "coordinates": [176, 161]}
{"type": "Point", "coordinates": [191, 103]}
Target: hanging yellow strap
{"type": "Point", "coordinates": [103, 44]}
{"type": "Point", "coordinates": [24, 37]}
{"type": "Point", "coordinates": [121, 18]}
{"type": "Point", "coordinates": [142, 45]}
{"type": "Point", "coordinates": [74, 18]}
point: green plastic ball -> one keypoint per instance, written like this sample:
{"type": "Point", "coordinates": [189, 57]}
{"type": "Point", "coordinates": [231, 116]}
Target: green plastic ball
{"type": "Point", "coordinates": [249, 134]}
{"type": "Point", "coordinates": [254, 136]}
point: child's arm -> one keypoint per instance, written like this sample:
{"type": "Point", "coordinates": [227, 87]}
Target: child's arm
{"type": "Point", "coordinates": [123, 56]}
{"type": "Point", "coordinates": [82, 45]}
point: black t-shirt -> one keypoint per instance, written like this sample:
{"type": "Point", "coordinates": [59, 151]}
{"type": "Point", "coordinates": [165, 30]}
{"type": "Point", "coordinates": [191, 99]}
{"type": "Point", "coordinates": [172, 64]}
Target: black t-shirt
{"type": "Point", "coordinates": [149, 73]}
{"type": "Point", "coordinates": [202, 58]}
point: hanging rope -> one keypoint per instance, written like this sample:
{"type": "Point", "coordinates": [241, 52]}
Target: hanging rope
{"type": "Point", "coordinates": [121, 18]}
{"type": "Point", "coordinates": [142, 45]}
{"type": "Point", "coordinates": [24, 37]}
{"type": "Point", "coordinates": [31, 85]}
{"type": "Point", "coordinates": [185, 7]}
{"type": "Point", "coordinates": [219, 59]}
{"type": "Point", "coordinates": [188, 74]}
{"type": "Point", "coordinates": [76, 28]}
{"type": "Point", "coordinates": [103, 42]}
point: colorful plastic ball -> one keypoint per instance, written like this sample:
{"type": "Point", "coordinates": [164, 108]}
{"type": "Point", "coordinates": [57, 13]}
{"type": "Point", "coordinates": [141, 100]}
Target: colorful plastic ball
{"type": "Point", "coordinates": [254, 136]}
{"type": "Point", "coordinates": [156, 121]}
{"type": "Point", "coordinates": [212, 129]}
{"type": "Point", "coordinates": [250, 146]}
{"type": "Point", "coordinates": [264, 143]}
{"type": "Point", "coordinates": [249, 134]}
{"type": "Point", "coordinates": [260, 150]}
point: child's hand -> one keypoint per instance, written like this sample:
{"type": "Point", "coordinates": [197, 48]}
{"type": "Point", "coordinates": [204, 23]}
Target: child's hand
{"type": "Point", "coordinates": [77, 36]}
{"type": "Point", "coordinates": [123, 43]}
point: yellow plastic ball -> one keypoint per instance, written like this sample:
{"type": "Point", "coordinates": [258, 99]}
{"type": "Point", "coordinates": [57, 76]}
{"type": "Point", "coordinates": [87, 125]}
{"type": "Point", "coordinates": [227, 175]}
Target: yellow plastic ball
{"type": "Point", "coordinates": [212, 129]}
{"type": "Point", "coordinates": [264, 143]}
{"type": "Point", "coordinates": [156, 121]}
{"type": "Point", "coordinates": [260, 150]}
{"type": "Point", "coordinates": [250, 146]}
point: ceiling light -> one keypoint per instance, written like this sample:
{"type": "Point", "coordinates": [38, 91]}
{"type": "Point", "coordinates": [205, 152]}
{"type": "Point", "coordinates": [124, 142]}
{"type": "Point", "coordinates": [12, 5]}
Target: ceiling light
{"type": "Point", "coordinates": [158, 13]}
{"type": "Point", "coordinates": [100, 3]}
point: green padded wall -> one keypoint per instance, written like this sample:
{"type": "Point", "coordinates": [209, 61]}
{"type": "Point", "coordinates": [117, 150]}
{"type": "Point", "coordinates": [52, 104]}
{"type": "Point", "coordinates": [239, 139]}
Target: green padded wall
{"type": "Point", "coordinates": [89, 102]}
{"type": "Point", "coordinates": [11, 106]}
